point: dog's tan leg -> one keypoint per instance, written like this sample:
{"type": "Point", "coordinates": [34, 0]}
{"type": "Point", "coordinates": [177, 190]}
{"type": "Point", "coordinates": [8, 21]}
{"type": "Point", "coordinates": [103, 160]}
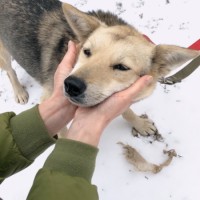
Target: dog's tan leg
{"type": "Point", "coordinates": [143, 126]}
{"type": "Point", "coordinates": [21, 96]}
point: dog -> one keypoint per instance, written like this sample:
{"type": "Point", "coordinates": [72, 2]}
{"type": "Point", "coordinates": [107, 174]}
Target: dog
{"type": "Point", "coordinates": [113, 53]}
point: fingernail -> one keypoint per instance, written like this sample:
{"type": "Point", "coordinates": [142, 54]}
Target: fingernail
{"type": "Point", "coordinates": [70, 43]}
{"type": "Point", "coordinates": [149, 80]}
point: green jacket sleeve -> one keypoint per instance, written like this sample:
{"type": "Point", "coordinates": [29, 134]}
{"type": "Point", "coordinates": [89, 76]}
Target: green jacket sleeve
{"type": "Point", "coordinates": [22, 138]}
{"type": "Point", "coordinates": [66, 173]}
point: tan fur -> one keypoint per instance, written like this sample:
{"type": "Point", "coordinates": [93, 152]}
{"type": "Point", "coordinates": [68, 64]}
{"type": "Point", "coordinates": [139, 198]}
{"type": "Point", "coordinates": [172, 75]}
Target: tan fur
{"type": "Point", "coordinates": [119, 45]}
{"type": "Point", "coordinates": [112, 45]}
{"type": "Point", "coordinates": [141, 164]}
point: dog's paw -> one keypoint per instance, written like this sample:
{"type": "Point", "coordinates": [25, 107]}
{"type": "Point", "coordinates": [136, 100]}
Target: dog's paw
{"type": "Point", "coordinates": [144, 127]}
{"type": "Point", "coordinates": [21, 96]}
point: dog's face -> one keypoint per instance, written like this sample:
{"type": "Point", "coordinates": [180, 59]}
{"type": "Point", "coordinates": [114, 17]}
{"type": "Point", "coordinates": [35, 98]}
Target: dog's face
{"type": "Point", "coordinates": [108, 62]}
{"type": "Point", "coordinates": [114, 57]}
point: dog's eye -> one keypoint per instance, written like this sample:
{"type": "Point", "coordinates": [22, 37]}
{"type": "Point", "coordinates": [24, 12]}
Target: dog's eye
{"type": "Point", "coordinates": [87, 52]}
{"type": "Point", "coordinates": [121, 67]}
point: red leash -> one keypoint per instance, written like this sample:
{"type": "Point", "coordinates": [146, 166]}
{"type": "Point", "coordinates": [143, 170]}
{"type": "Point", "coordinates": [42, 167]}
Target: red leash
{"type": "Point", "coordinates": [194, 46]}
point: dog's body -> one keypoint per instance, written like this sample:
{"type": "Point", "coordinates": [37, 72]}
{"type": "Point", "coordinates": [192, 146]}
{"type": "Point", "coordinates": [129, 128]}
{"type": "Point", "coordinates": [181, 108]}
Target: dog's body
{"type": "Point", "coordinates": [37, 36]}
{"type": "Point", "coordinates": [113, 54]}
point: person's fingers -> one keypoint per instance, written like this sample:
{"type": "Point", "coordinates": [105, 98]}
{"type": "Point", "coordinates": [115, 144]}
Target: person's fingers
{"type": "Point", "coordinates": [120, 101]}
{"type": "Point", "coordinates": [140, 84]}
{"type": "Point", "coordinates": [65, 67]}
{"type": "Point", "coordinates": [137, 87]}
{"type": "Point", "coordinates": [70, 57]}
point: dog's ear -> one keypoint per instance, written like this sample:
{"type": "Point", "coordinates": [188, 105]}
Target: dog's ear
{"type": "Point", "coordinates": [81, 23]}
{"type": "Point", "coordinates": [168, 57]}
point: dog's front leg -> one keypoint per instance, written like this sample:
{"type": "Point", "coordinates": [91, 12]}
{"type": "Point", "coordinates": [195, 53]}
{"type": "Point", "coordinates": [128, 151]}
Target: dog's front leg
{"type": "Point", "coordinates": [141, 125]}
{"type": "Point", "coordinates": [21, 95]}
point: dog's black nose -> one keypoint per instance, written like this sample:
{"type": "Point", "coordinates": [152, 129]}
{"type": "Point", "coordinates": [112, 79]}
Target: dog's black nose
{"type": "Point", "coordinates": [74, 86]}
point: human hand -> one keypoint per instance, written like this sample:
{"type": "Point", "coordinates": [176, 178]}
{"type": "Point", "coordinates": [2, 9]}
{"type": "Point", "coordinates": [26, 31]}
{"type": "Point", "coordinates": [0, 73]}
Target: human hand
{"type": "Point", "coordinates": [89, 123]}
{"type": "Point", "coordinates": [57, 111]}
{"type": "Point", "coordinates": [64, 69]}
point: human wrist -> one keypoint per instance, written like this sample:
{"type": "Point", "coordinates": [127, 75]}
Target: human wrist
{"type": "Point", "coordinates": [56, 113]}
{"type": "Point", "coordinates": [86, 131]}
{"type": "Point", "coordinates": [31, 143]}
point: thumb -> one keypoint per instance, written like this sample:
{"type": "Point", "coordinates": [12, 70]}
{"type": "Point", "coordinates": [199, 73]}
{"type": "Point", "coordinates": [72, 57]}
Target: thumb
{"type": "Point", "coordinates": [138, 86]}
{"type": "Point", "coordinates": [68, 60]}
{"type": "Point", "coordinates": [66, 65]}
{"type": "Point", "coordinates": [70, 57]}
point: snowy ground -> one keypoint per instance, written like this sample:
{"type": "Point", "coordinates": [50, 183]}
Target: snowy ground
{"type": "Point", "coordinates": [174, 109]}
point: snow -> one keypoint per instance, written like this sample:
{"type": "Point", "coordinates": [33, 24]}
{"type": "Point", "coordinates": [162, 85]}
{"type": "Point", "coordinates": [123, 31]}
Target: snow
{"type": "Point", "coordinates": [174, 109]}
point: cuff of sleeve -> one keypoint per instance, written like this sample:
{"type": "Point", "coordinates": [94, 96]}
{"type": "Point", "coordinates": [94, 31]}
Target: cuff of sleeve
{"type": "Point", "coordinates": [30, 133]}
{"type": "Point", "coordinates": [73, 158]}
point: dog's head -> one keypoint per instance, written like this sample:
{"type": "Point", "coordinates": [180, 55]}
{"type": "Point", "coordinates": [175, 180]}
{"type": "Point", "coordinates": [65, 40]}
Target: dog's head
{"type": "Point", "coordinates": [114, 57]}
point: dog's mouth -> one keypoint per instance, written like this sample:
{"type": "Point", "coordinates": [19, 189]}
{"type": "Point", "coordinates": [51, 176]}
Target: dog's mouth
{"type": "Point", "coordinates": [78, 101]}
{"type": "Point", "coordinates": [82, 94]}
{"type": "Point", "coordinates": [83, 101]}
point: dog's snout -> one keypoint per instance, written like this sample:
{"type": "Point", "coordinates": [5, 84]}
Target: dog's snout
{"type": "Point", "coordinates": [74, 86]}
